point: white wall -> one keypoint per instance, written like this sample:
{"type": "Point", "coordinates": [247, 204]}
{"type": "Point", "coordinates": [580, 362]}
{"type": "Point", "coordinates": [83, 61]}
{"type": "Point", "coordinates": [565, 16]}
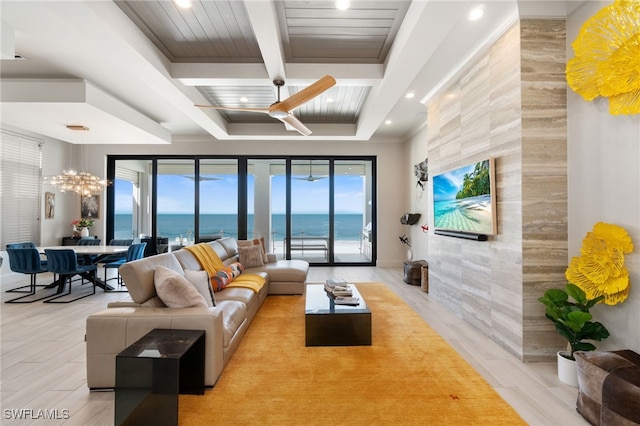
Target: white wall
{"type": "Point", "coordinates": [56, 157]}
{"type": "Point", "coordinates": [418, 201]}
{"type": "Point", "coordinates": [604, 185]}
{"type": "Point", "coordinates": [391, 176]}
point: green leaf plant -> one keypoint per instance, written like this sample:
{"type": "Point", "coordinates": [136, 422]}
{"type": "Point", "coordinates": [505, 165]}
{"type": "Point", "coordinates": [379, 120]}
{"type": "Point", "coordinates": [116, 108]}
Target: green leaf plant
{"type": "Point", "coordinates": [572, 318]}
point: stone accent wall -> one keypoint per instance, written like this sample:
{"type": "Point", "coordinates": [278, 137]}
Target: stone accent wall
{"type": "Point", "coordinates": [510, 104]}
{"type": "Point", "coordinates": [544, 177]}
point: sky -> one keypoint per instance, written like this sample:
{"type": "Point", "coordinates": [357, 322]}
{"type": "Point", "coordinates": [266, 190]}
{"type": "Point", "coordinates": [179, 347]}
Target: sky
{"type": "Point", "coordinates": [176, 195]}
{"type": "Point", "coordinates": [447, 185]}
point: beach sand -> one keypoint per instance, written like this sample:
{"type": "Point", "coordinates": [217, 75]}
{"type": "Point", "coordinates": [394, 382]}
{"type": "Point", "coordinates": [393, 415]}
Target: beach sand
{"type": "Point", "coordinates": [471, 214]}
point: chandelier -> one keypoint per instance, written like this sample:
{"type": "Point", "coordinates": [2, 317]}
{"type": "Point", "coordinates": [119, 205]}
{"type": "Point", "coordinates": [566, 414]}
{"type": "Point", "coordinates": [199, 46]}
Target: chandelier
{"type": "Point", "coordinates": [82, 183]}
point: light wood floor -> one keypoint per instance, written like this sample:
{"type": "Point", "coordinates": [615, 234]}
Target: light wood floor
{"type": "Point", "coordinates": [43, 357]}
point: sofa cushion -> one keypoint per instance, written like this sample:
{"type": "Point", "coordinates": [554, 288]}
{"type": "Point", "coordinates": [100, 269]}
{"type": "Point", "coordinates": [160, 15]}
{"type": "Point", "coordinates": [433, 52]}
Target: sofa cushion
{"type": "Point", "coordinates": [175, 290]}
{"type": "Point", "coordinates": [229, 245]}
{"type": "Point", "coordinates": [609, 387]}
{"type": "Point", "coordinates": [283, 270]}
{"type": "Point", "coordinates": [200, 280]}
{"type": "Point", "coordinates": [234, 314]}
{"type": "Point", "coordinates": [138, 275]}
{"type": "Point", "coordinates": [250, 256]}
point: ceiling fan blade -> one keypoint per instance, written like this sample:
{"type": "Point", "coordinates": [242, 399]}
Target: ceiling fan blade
{"type": "Point", "coordinates": [311, 178]}
{"type": "Point", "coordinates": [202, 178]}
{"type": "Point", "coordinates": [305, 95]}
{"type": "Point", "coordinates": [260, 110]}
{"type": "Point", "coordinates": [296, 124]}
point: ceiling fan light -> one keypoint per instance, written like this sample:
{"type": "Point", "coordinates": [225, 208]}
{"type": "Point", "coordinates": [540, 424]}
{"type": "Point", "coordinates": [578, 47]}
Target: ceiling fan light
{"type": "Point", "coordinates": [184, 4]}
{"type": "Point", "coordinates": [343, 4]}
{"type": "Point", "coordinates": [278, 114]}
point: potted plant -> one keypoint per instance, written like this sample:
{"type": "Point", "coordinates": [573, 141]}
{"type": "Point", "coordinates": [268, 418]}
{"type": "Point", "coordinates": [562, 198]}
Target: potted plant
{"type": "Point", "coordinates": [569, 310]}
{"type": "Point", "coordinates": [82, 226]}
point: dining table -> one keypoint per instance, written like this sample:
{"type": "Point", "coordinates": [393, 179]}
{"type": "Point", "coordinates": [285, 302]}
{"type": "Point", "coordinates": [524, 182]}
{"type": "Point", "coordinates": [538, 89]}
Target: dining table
{"type": "Point", "coordinates": [90, 255]}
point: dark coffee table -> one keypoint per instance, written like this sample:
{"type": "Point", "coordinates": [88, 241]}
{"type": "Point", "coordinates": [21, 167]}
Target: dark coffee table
{"type": "Point", "coordinates": [328, 324]}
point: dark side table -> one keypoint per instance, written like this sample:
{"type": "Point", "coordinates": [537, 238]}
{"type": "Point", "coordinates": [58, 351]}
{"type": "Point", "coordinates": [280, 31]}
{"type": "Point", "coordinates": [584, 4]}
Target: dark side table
{"type": "Point", "coordinates": [153, 371]}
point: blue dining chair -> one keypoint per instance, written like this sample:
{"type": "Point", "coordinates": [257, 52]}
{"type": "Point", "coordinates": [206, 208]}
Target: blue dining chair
{"type": "Point", "coordinates": [135, 252]}
{"type": "Point", "coordinates": [26, 261]}
{"type": "Point", "coordinates": [88, 259]}
{"type": "Point", "coordinates": [27, 244]}
{"type": "Point", "coordinates": [65, 263]}
{"type": "Point", "coordinates": [43, 263]}
{"type": "Point", "coordinates": [116, 256]}
{"type": "Point", "coordinates": [89, 242]}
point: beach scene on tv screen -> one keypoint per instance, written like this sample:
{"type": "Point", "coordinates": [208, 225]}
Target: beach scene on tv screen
{"type": "Point", "coordinates": [462, 199]}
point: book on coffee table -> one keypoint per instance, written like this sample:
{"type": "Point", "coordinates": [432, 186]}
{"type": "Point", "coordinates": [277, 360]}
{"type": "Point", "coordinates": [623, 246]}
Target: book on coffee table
{"type": "Point", "coordinates": [337, 287]}
{"type": "Point", "coordinates": [353, 301]}
{"type": "Point", "coordinates": [338, 290]}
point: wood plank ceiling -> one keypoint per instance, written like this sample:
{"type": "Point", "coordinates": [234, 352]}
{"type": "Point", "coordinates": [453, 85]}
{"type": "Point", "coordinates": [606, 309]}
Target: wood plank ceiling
{"type": "Point", "coordinates": [221, 31]}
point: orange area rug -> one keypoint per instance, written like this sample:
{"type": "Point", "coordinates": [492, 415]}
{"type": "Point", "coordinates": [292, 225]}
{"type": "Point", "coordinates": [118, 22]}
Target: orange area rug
{"type": "Point", "coordinates": [409, 375]}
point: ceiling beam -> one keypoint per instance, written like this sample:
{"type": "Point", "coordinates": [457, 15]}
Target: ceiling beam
{"type": "Point", "coordinates": [264, 20]}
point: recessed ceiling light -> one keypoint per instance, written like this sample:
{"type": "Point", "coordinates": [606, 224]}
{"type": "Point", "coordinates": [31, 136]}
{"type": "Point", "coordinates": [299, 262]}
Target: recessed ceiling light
{"type": "Point", "coordinates": [388, 122]}
{"type": "Point", "coordinates": [343, 4]}
{"type": "Point", "coordinates": [185, 4]}
{"type": "Point", "coordinates": [410, 95]}
{"type": "Point", "coordinates": [476, 13]}
{"type": "Point", "coordinates": [329, 100]}
{"type": "Point", "coordinates": [244, 99]}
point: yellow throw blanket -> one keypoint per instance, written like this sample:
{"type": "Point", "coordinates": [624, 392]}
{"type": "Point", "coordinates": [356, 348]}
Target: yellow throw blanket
{"type": "Point", "coordinates": [207, 257]}
{"type": "Point", "coordinates": [252, 281]}
{"type": "Point", "coordinates": [211, 262]}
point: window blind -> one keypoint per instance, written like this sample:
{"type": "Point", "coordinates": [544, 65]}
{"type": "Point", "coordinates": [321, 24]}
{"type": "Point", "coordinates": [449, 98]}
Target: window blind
{"type": "Point", "coordinates": [20, 188]}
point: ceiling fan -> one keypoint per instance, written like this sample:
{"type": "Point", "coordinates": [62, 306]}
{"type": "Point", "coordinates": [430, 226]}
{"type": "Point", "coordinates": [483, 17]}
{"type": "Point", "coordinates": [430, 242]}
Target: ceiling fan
{"type": "Point", "coordinates": [311, 177]}
{"type": "Point", "coordinates": [202, 178]}
{"type": "Point", "coordinates": [281, 110]}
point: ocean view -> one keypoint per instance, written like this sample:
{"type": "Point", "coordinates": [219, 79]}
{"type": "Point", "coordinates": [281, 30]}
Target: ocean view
{"type": "Point", "coordinates": [348, 227]}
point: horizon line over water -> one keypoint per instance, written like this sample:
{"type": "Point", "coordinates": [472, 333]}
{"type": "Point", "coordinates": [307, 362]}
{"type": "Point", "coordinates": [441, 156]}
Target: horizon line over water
{"type": "Point", "coordinates": [347, 226]}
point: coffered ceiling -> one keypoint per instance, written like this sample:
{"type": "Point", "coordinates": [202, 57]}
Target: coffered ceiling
{"type": "Point", "coordinates": [131, 71]}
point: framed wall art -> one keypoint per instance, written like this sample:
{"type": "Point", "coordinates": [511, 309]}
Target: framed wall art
{"type": "Point", "coordinates": [49, 205]}
{"type": "Point", "coordinates": [90, 207]}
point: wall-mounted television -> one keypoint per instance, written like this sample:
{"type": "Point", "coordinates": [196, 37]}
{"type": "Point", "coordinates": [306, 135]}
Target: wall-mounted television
{"type": "Point", "coordinates": [464, 199]}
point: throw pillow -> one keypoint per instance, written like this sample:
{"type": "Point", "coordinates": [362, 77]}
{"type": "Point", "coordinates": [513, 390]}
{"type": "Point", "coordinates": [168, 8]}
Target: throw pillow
{"type": "Point", "coordinates": [220, 280]}
{"type": "Point", "coordinates": [175, 290]}
{"type": "Point", "coordinates": [200, 280]}
{"type": "Point", "coordinates": [223, 277]}
{"type": "Point", "coordinates": [255, 242]}
{"type": "Point", "coordinates": [251, 256]}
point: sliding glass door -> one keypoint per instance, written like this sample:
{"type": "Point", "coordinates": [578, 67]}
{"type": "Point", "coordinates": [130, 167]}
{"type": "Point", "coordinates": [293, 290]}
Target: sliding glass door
{"type": "Point", "coordinates": [310, 211]}
{"type": "Point", "coordinates": [175, 206]}
{"type": "Point", "coordinates": [267, 202]}
{"type": "Point", "coordinates": [218, 199]}
{"type": "Point", "coordinates": [320, 209]}
{"type": "Point", "coordinates": [353, 213]}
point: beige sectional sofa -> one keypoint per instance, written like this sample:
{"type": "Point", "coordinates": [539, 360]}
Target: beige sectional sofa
{"type": "Point", "coordinates": [112, 330]}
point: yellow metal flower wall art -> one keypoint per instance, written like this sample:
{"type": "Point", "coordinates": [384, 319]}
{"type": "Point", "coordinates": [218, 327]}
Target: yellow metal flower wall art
{"type": "Point", "coordinates": [607, 57]}
{"type": "Point", "coordinates": [600, 270]}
